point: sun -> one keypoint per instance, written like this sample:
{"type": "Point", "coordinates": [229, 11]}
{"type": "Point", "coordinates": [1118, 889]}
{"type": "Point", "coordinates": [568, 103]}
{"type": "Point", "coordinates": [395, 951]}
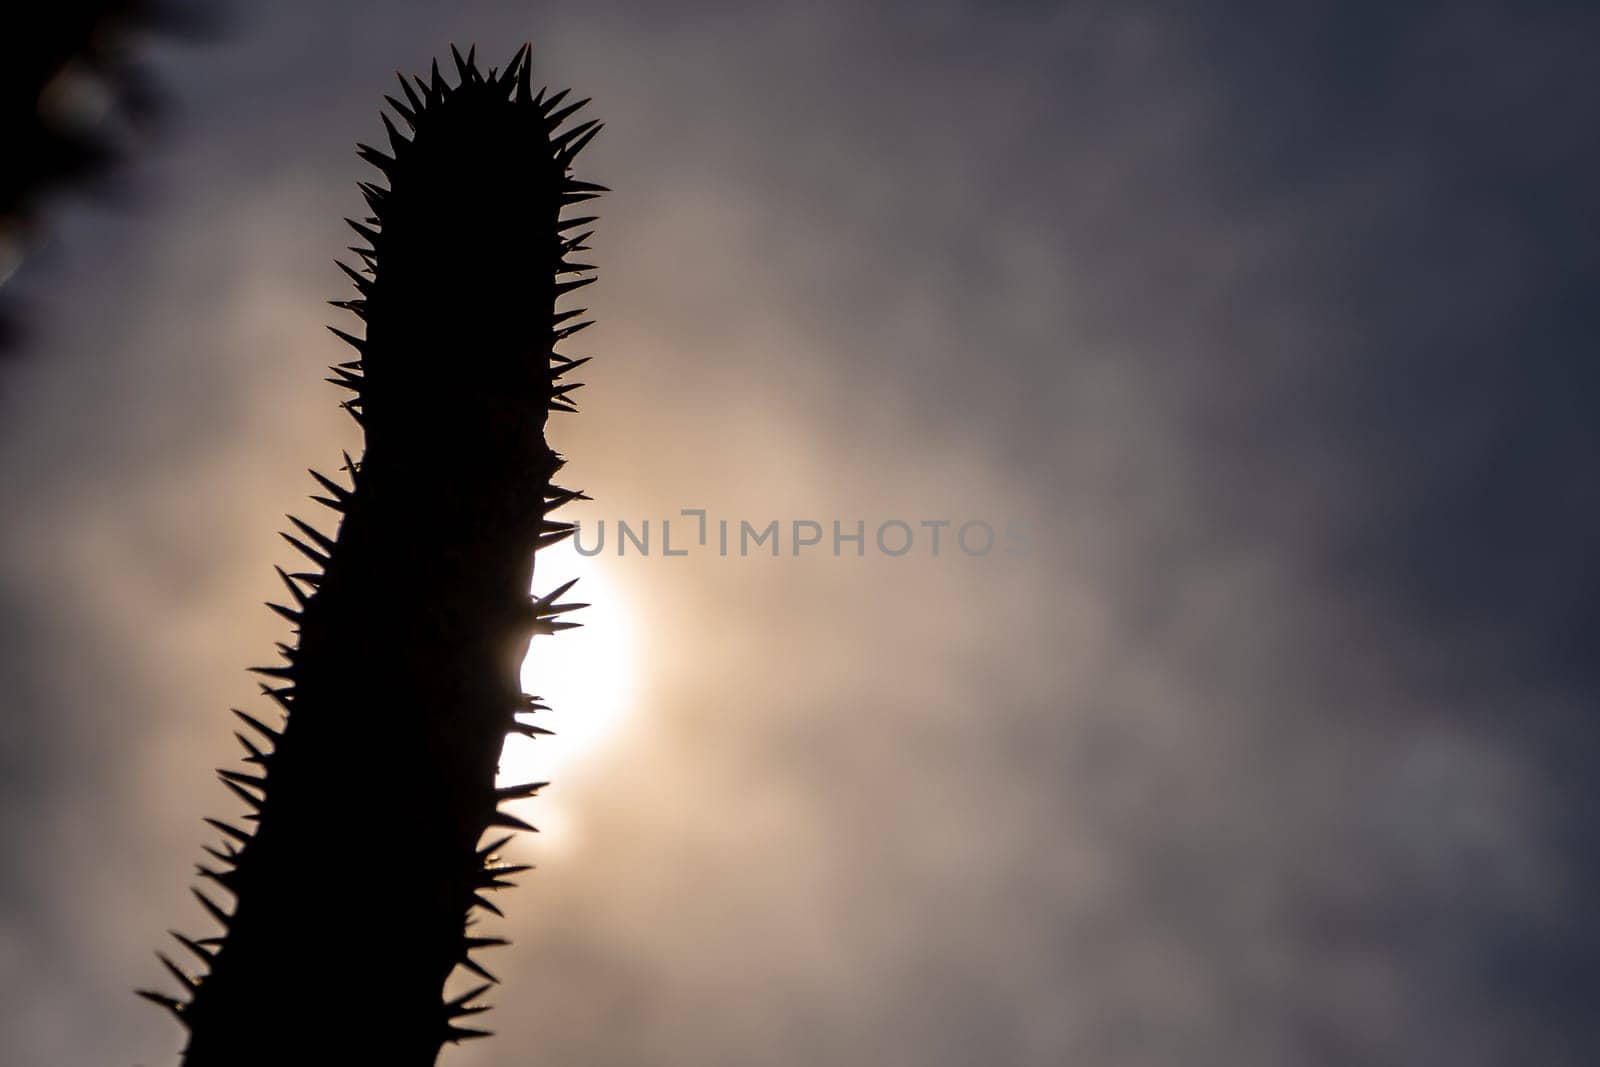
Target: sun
{"type": "Point", "coordinates": [584, 675]}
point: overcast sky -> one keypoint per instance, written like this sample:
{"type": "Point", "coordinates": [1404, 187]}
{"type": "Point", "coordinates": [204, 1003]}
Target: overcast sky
{"type": "Point", "coordinates": [1271, 327]}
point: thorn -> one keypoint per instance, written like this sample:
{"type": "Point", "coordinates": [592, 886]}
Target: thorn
{"type": "Point", "coordinates": [232, 831]}
{"type": "Point", "coordinates": [201, 952]}
{"type": "Point", "coordinates": [282, 695]}
{"type": "Point", "coordinates": [211, 908]}
{"type": "Point", "coordinates": [374, 194]}
{"type": "Point", "coordinates": [555, 118]}
{"type": "Point", "coordinates": [310, 553]}
{"type": "Point", "coordinates": [508, 869]}
{"type": "Point", "coordinates": [575, 131]}
{"type": "Point", "coordinates": [561, 609]}
{"type": "Point", "coordinates": [251, 780]}
{"type": "Point", "coordinates": [294, 617]}
{"type": "Point", "coordinates": [570, 152]}
{"type": "Point", "coordinates": [256, 755]}
{"type": "Point", "coordinates": [411, 97]}
{"type": "Point", "coordinates": [457, 1034]}
{"type": "Point", "coordinates": [339, 492]}
{"type": "Point", "coordinates": [498, 877]}
{"type": "Point", "coordinates": [570, 365]}
{"type": "Point", "coordinates": [172, 1004]}
{"type": "Point", "coordinates": [229, 858]}
{"type": "Point", "coordinates": [479, 969]}
{"type": "Point", "coordinates": [486, 853]}
{"type": "Point", "coordinates": [563, 288]}
{"type": "Point", "coordinates": [206, 872]}
{"type": "Point", "coordinates": [362, 283]}
{"type": "Point", "coordinates": [518, 792]}
{"type": "Point", "coordinates": [472, 994]}
{"type": "Point", "coordinates": [323, 540]}
{"type": "Point", "coordinates": [365, 232]}
{"type": "Point", "coordinates": [544, 607]}
{"type": "Point", "coordinates": [350, 339]}
{"type": "Point", "coordinates": [397, 142]}
{"type": "Point", "coordinates": [299, 595]}
{"type": "Point", "coordinates": [549, 103]}
{"type": "Point", "coordinates": [550, 597]}
{"type": "Point", "coordinates": [376, 158]}
{"type": "Point", "coordinates": [256, 724]}
{"type": "Point", "coordinates": [547, 540]}
{"type": "Point", "coordinates": [402, 110]}
{"type": "Point", "coordinates": [178, 972]}
{"type": "Point", "coordinates": [243, 794]}
{"type": "Point", "coordinates": [511, 822]}
{"type": "Point", "coordinates": [525, 75]}
{"type": "Point", "coordinates": [564, 496]}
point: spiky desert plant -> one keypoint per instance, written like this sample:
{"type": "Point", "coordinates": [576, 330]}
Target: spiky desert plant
{"type": "Point", "coordinates": [355, 894]}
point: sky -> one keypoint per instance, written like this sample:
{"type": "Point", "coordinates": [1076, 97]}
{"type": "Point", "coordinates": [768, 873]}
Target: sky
{"type": "Point", "coordinates": [1269, 328]}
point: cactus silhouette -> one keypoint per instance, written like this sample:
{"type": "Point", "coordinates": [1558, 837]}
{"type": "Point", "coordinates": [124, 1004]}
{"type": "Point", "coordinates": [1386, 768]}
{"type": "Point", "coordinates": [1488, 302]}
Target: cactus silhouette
{"type": "Point", "coordinates": [355, 896]}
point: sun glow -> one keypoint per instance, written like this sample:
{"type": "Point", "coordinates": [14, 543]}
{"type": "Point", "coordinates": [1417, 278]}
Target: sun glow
{"type": "Point", "coordinates": [584, 675]}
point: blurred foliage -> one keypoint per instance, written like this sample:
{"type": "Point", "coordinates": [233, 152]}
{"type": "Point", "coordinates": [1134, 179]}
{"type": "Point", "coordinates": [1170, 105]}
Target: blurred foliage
{"type": "Point", "coordinates": [73, 99]}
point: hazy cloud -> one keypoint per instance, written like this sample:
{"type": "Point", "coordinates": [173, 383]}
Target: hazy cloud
{"type": "Point", "coordinates": [1269, 329]}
